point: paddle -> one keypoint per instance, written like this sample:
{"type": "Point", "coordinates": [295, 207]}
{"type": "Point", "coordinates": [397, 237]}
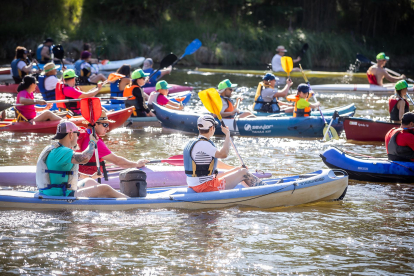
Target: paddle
{"type": "Point", "coordinates": [191, 49]}
{"type": "Point", "coordinates": [287, 65]}
{"type": "Point", "coordinates": [212, 102]}
{"type": "Point", "coordinates": [91, 110]}
{"type": "Point", "coordinates": [59, 53]}
{"type": "Point", "coordinates": [328, 128]}
{"type": "Point", "coordinates": [165, 62]}
{"type": "Point", "coordinates": [305, 47]}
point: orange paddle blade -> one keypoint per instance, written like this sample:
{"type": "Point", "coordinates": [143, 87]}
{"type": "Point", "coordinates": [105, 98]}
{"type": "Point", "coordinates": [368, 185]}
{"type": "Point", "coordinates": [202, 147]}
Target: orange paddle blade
{"type": "Point", "coordinates": [179, 99]}
{"type": "Point", "coordinates": [287, 64]}
{"type": "Point", "coordinates": [115, 76]}
{"type": "Point", "coordinates": [211, 101]}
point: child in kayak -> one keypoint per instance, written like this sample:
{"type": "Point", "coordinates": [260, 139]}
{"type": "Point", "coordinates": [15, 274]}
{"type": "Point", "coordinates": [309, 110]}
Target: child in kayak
{"type": "Point", "coordinates": [302, 107]}
{"type": "Point", "coordinates": [136, 94]}
{"type": "Point", "coordinates": [25, 96]}
{"type": "Point", "coordinates": [160, 97]}
{"type": "Point", "coordinates": [229, 110]}
{"type": "Point", "coordinates": [397, 105]}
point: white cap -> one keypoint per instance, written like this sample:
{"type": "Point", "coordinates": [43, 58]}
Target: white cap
{"type": "Point", "coordinates": [281, 48]}
{"type": "Point", "coordinates": [206, 121]}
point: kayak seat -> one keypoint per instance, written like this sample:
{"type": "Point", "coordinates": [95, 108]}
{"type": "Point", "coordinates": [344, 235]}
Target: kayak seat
{"type": "Point", "coordinates": [19, 116]}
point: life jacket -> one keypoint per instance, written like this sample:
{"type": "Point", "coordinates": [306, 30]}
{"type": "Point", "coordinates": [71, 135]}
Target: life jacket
{"type": "Point", "coordinates": [77, 66]}
{"type": "Point", "coordinates": [393, 109]}
{"type": "Point", "coordinates": [116, 92]}
{"type": "Point", "coordinates": [153, 98]}
{"type": "Point", "coordinates": [302, 112]}
{"type": "Point", "coordinates": [262, 106]}
{"type": "Point", "coordinates": [191, 168]}
{"type": "Point", "coordinates": [372, 79]}
{"type": "Point", "coordinates": [396, 152]}
{"type": "Point", "coordinates": [90, 167]}
{"type": "Point", "coordinates": [16, 72]}
{"type": "Point", "coordinates": [40, 59]}
{"type": "Point", "coordinates": [83, 77]}
{"type": "Point", "coordinates": [128, 91]}
{"type": "Point", "coordinates": [59, 93]}
{"type": "Point", "coordinates": [42, 172]}
{"type": "Point", "coordinates": [230, 107]}
{"type": "Point", "coordinates": [48, 95]}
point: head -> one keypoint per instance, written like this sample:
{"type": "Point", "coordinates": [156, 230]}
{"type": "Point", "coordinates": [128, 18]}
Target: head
{"type": "Point", "coordinates": [407, 120]}
{"type": "Point", "coordinates": [28, 83]}
{"type": "Point", "coordinates": [67, 133]}
{"type": "Point", "coordinates": [125, 70]}
{"type": "Point", "coordinates": [69, 77]}
{"type": "Point", "coordinates": [382, 59]}
{"type": "Point", "coordinates": [86, 47]}
{"type": "Point", "coordinates": [206, 125]}
{"type": "Point", "coordinates": [50, 69]}
{"type": "Point", "coordinates": [270, 79]}
{"type": "Point", "coordinates": [148, 63]}
{"type": "Point", "coordinates": [48, 42]}
{"type": "Point", "coordinates": [225, 88]}
{"type": "Point", "coordinates": [281, 50]}
{"type": "Point", "coordinates": [401, 87]}
{"type": "Point", "coordinates": [139, 76]}
{"type": "Point", "coordinates": [85, 55]}
{"type": "Point", "coordinates": [162, 87]}
{"type": "Point", "coordinates": [303, 90]}
{"type": "Point", "coordinates": [102, 124]}
{"type": "Point", "coordinates": [21, 52]}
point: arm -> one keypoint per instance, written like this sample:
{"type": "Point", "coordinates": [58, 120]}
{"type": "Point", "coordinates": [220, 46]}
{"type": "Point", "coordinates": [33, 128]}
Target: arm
{"type": "Point", "coordinates": [224, 152]}
{"type": "Point", "coordinates": [27, 101]}
{"type": "Point", "coordinates": [400, 106]}
{"type": "Point", "coordinates": [297, 59]}
{"type": "Point", "coordinates": [91, 93]}
{"type": "Point", "coordinates": [228, 114]}
{"type": "Point", "coordinates": [83, 157]}
{"type": "Point", "coordinates": [392, 78]}
{"type": "Point", "coordinates": [285, 90]}
{"type": "Point", "coordinates": [28, 68]}
{"type": "Point", "coordinates": [165, 72]}
{"type": "Point", "coordinates": [123, 162]}
{"type": "Point", "coordinates": [314, 105]}
{"type": "Point", "coordinates": [174, 105]}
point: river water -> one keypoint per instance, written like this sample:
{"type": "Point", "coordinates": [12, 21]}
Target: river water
{"type": "Point", "coordinates": [370, 232]}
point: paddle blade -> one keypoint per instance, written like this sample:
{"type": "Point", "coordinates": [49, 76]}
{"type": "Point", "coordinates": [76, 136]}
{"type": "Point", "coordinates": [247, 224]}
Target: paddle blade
{"type": "Point", "coordinates": [332, 130]}
{"type": "Point", "coordinates": [58, 51]}
{"type": "Point", "coordinates": [91, 109]}
{"type": "Point", "coordinates": [114, 77]}
{"type": "Point", "coordinates": [211, 101]}
{"type": "Point", "coordinates": [176, 160]}
{"type": "Point", "coordinates": [194, 46]}
{"type": "Point", "coordinates": [287, 64]}
{"type": "Point", "coordinates": [4, 106]}
{"type": "Point", "coordinates": [168, 60]}
{"type": "Point", "coordinates": [361, 58]}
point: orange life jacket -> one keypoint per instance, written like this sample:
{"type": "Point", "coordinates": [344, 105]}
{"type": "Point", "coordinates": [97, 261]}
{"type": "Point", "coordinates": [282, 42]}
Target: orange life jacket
{"type": "Point", "coordinates": [128, 91]}
{"type": "Point", "coordinates": [230, 107]}
{"type": "Point", "coordinates": [299, 112]}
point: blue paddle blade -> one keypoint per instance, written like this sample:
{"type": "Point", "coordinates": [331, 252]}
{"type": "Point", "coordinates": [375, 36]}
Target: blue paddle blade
{"type": "Point", "coordinates": [194, 46]}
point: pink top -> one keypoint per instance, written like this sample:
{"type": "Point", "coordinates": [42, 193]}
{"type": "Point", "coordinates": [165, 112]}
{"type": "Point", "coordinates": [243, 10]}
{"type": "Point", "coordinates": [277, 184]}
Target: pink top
{"type": "Point", "coordinates": [28, 111]}
{"type": "Point", "coordinates": [102, 148]}
{"type": "Point", "coordinates": [162, 100]}
{"type": "Point", "coordinates": [71, 92]}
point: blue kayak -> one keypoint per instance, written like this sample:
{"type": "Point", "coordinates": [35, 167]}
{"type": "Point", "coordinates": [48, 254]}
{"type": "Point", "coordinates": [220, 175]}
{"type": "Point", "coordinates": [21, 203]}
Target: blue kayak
{"type": "Point", "coordinates": [326, 112]}
{"type": "Point", "coordinates": [304, 127]}
{"type": "Point", "coordinates": [322, 185]}
{"type": "Point", "coordinates": [369, 169]}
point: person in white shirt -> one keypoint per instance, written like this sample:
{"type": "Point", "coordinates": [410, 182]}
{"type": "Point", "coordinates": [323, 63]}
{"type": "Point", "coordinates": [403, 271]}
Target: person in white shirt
{"type": "Point", "coordinates": [201, 158]}
{"type": "Point", "coordinates": [277, 63]}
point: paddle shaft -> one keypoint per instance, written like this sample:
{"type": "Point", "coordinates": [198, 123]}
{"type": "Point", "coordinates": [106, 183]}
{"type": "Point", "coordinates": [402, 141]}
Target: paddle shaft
{"type": "Point", "coordinates": [234, 147]}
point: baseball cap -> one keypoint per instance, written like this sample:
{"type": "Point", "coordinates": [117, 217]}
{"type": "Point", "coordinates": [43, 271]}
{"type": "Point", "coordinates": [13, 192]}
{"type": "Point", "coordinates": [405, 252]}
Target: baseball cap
{"type": "Point", "coordinates": [381, 56]}
{"type": "Point", "coordinates": [64, 128]}
{"type": "Point", "coordinates": [269, 77]}
{"type": "Point", "coordinates": [225, 84]}
{"type": "Point", "coordinates": [68, 74]}
{"type": "Point", "coordinates": [281, 48]}
{"type": "Point", "coordinates": [139, 73]}
{"type": "Point", "coordinates": [162, 85]}
{"type": "Point", "coordinates": [206, 121]}
{"type": "Point", "coordinates": [407, 118]}
{"type": "Point", "coordinates": [402, 84]}
{"type": "Point", "coordinates": [303, 87]}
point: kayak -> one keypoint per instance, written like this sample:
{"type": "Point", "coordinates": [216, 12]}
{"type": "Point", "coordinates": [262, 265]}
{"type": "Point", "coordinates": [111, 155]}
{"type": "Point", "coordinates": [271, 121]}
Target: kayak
{"type": "Point", "coordinates": [362, 129]}
{"type": "Point", "coordinates": [302, 127]}
{"type": "Point", "coordinates": [157, 176]}
{"type": "Point", "coordinates": [119, 117]}
{"type": "Point", "coordinates": [363, 88]}
{"type": "Point", "coordinates": [369, 169]}
{"type": "Point", "coordinates": [326, 112]}
{"type": "Point", "coordinates": [309, 73]}
{"type": "Point", "coordinates": [322, 185]}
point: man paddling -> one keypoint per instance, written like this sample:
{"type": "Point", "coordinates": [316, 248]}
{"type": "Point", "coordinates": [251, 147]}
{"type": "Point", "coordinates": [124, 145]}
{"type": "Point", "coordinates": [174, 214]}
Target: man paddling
{"type": "Point", "coordinates": [277, 60]}
{"type": "Point", "coordinates": [58, 167]}
{"type": "Point", "coordinates": [201, 158]}
{"type": "Point", "coordinates": [229, 110]}
{"type": "Point", "coordinates": [147, 68]}
{"type": "Point", "coordinates": [376, 73]}
{"type": "Point", "coordinates": [399, 142]}
{"type": "Point", "coordinates": [105, 154]}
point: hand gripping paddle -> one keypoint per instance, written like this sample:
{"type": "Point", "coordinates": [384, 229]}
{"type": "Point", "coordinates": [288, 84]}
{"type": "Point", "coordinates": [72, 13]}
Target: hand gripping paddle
{"type": "Point", "coordinates": [165, 62]}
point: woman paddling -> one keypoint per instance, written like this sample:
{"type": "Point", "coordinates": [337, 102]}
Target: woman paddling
{"type": "Point", "coordinates": [25, 96]}
{"type": "Point", "coordinates": [397, 105]}
{"type": "Point", "coordinates": [118, 86]}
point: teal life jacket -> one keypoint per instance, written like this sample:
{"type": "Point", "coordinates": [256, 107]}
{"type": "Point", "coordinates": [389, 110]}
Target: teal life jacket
{"type": "Point", "coordinates": [191, 168]}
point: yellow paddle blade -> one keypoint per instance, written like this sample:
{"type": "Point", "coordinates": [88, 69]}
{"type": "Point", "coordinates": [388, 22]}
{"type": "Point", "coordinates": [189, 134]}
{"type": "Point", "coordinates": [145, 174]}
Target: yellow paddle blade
{"type": "Point", "coordinates": [212, 101]}
{"type": "Point", "coordinates": [333, 132]}
{"type": "Point", "coordinates": [303, 73]}
{"type": "Point", "coordinates": [287, 64]}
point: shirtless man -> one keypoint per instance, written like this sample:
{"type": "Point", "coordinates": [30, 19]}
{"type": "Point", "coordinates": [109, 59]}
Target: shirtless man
{"type": "Point", "coordinates": [376, 73]}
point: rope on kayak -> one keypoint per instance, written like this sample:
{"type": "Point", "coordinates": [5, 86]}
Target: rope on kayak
{"type": "Point", "coordinates": [348, 151]}
{"type": "Point", "coordinates": [238, 201]}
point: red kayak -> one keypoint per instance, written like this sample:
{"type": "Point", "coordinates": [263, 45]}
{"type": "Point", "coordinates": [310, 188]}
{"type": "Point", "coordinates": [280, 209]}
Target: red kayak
{"type": "Point", "coordinates": [119, 117]}
{"type": "Point", "coordinates": [361, 129]}
{"type": "Point", "coordinates": [5, 71]}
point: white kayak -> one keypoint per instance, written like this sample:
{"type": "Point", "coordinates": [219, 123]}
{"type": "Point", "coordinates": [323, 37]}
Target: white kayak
{"type": "Point", "coordinates": [363, 88]}
{"type": "Point", "coordinates": [114, 65]}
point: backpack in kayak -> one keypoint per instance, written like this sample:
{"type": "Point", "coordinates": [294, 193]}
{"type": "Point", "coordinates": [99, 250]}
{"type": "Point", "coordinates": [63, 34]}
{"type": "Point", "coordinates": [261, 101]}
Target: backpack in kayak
{"type": "Point", "coordinates": [133, 182]}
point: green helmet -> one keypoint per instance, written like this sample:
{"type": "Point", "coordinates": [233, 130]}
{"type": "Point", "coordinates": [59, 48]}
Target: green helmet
{"type": "Point", "coordinates": [139, 73]}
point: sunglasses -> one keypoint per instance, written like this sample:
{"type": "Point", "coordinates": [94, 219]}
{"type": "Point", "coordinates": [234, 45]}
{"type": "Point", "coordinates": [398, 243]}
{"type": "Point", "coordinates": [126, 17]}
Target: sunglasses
{"type": "Point", "coordinates": [103, 124]}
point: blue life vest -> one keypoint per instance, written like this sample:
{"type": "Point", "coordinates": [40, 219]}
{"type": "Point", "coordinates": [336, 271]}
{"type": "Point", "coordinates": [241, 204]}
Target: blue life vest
{"type": "Point", "coordinates": [48, 95]}
{"type": "Point", "coordinates": [268, 107]}
{"type": "Point", "coordinates": [77, 66]}
{"type": "Point", "coordinates": [191, 168]}
{"type": "Point", "coordinates": [153, 80]}
{"type": "Point", "coordinates": [16, 72]}
{"type": "Point", "coordinates": [39, 57]}
{"type": "Point", "coordinates": [115, 92]}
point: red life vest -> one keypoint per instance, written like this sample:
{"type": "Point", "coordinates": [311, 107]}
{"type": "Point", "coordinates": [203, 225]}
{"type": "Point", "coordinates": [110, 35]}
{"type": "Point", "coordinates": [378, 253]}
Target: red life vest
{"type": "Point", "coordinates": [394, 111]}
{"type": "Point", "coordinates": [60, 95]}
{"type": "Point", "coordinates": [372, 79]}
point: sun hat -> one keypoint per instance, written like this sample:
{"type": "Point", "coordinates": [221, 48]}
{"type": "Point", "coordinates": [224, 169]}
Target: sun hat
{"type": "Point", "coordinates": [69, 74]}
{"type": "Point", "coordinates": [382, 56]}
{"type": "Point", "coordinates": [303, 87]}
{"type": "Point", "coordinates": [281, 48]}
{"type": "Point", "coordinates": [225, 84]}
{"type": "Point", "coordinates": [206, 121]}
{"type": "Point", "coordinates": [64, 128]}
{"type": "Point", "coordinates": [49, 67]}
{"type": "Point", "coordinates": [85, 54]}
{"type": "Point", "coordinates": [269, 77]}
{"type": "Point", "coordinates": [139, 73]}
{"type": "Point", "coordinates": [104, 118]}
{"type": "Point", "coordinates": [162, 85]}
{"type": "Point", "coordinates": [402, 84]}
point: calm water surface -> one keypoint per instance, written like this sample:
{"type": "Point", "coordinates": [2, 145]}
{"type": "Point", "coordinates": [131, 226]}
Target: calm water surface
{"type": "Point", "coordinates": [369, 233]}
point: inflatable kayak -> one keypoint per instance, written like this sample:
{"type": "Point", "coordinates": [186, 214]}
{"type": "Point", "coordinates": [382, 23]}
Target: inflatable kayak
{"type": "Point", "coordinates": [369, 169]}
{"type": "Point", "coordinates": [363, 88]}
{"type": "Point", "coordinates": [322, 185]}
{"type": "Point", "coordinates": [157, 176]}
{"type": "Point", "coordinates": [326, 112]}
{"type": "Point", "coordinates": [309, 127]}
{"type": "Point", "coordinates": [361, 129]}
{"type": "Point", "coordinates": [309, 73]}
{"type": "Point", "coordinates": [119, 117]}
